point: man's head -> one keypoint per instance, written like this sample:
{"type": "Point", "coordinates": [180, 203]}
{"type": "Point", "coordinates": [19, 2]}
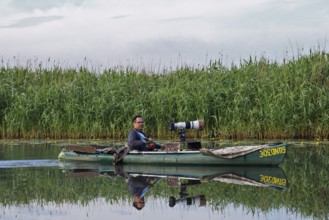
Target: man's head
{"type": "Point", "coordinates": [139, 203]}
{"type": "Point", "coordinates": [138, 122]}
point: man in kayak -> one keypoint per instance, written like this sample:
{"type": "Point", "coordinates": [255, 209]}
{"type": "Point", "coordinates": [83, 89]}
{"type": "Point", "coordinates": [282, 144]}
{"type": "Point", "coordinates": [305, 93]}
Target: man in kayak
{"type": "Point", "coordinates": [137, 139]}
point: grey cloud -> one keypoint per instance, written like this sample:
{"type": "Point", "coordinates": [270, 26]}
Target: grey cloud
{"type": "Point", "coordinates": [166, 44]}
{"type": "Point", "coordinates": [32, 21]}
{"type": "Point", "coordinates": [178, 19]}
{"type": "Point", "coordinates": [172, 48]}
{"type": "Point", "coordinates": [30, 5]}
{"type": "Point", "coordinates": [120, 16]}
{"type": "Point", "coordinates": [275, 14]}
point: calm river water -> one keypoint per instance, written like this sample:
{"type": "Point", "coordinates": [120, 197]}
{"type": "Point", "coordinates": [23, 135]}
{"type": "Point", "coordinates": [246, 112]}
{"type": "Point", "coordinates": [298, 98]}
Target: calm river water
{"type": "Point", "coordinates": [35, 185]}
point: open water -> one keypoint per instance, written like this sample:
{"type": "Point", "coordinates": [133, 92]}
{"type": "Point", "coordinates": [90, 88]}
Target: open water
{"type": "Point", "coordinates": [35, 185]}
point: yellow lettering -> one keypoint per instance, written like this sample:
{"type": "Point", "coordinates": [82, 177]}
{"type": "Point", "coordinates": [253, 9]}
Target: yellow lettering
{"type": "Point", "coordinates": [275, 151]}
{"type": "Point", "coordinates": [272, 151]}
{"type": "Point", "coordinates": [273, 180]}
{"type": "Point", "coordinates": [283, 150]}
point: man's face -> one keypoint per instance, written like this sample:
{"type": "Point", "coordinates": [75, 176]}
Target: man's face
{"type": "Point", "coordinates": [139, 123]}
{"type": "Point", "coordinates": [140, 203]}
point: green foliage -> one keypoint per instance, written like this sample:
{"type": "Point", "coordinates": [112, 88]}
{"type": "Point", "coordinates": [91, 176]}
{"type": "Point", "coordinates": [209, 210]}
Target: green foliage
{"type": "Point", "coordinates": [257, 99]}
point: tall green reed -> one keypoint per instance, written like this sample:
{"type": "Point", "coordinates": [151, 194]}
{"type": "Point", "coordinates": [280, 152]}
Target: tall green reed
{"type": "Point", "coordinates": [258, 98]}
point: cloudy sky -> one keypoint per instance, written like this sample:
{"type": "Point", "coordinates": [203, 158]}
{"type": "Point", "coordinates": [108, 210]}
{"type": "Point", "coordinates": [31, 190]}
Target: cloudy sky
{"type": "Point", "coordinates": [160, 33]}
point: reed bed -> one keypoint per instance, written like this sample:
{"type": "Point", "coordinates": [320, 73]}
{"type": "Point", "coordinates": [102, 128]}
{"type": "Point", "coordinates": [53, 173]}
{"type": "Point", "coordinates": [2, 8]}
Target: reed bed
{"type": "Point", "coordinates": [258, 98]}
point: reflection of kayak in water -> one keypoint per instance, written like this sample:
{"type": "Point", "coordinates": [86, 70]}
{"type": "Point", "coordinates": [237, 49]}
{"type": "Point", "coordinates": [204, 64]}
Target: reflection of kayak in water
{"type": "Point", "coordinates": [247, 175]}
{"type": "Point", "coordinates": [272, 154]}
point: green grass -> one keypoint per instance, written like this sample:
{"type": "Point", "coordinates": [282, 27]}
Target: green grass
{"type": "Point", "coordinates": [256, 99]}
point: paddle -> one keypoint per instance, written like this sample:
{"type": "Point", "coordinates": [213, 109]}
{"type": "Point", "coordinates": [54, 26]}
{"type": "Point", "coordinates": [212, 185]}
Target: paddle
{"type": "Point", "coordinates": [168, 147]}
{"type": "Point", "coordinates": [147, 140]}
{"type": "Point", "coordinates": [93, 149]}
{"type": "Point", "coordinates": [149, 187]}
{"type": "Point", "coordinates": [82, 149]}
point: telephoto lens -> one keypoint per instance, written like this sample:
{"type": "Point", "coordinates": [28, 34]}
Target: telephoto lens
{"type": "Point", "coordinates": [197, 125]}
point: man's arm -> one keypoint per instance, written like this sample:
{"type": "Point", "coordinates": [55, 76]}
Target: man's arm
{"type": "Point", "coordinates": [134, 142]}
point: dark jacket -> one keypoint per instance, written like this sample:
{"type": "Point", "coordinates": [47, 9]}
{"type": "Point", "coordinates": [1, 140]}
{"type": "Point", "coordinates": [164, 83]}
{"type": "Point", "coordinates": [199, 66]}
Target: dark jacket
{"type": "Point", "coordinates": [136, 185]}
{"type": "Point", "coordinates": [135, 141]}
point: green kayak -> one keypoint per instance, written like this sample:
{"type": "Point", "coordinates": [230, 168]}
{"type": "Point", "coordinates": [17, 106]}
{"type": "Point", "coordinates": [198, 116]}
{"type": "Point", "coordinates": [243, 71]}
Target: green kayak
{"type": "Point", "coordinates": [269, 154]}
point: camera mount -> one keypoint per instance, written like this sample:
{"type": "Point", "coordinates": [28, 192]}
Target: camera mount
{"type": "Point", "coordinates": [182, 126]}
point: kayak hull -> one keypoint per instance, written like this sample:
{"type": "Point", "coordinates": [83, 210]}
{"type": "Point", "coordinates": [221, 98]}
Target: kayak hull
{"type": "Point", "coordinates": [271, 155]}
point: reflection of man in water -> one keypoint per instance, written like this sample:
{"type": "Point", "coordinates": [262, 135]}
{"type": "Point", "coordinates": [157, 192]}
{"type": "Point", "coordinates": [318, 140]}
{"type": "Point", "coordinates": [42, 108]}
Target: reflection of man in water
{"type": "Point", "coordinates": [137, 186]}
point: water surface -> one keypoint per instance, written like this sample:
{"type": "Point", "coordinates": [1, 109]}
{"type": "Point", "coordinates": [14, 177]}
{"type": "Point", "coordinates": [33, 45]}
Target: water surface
{"type": "Point", "coordinates": [35, 185]}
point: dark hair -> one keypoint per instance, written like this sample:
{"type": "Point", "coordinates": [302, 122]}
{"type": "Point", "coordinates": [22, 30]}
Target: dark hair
{"type": "Point", "coordinates": [135, 117]}
{"type": "Point", "coordinates": [135, 205]}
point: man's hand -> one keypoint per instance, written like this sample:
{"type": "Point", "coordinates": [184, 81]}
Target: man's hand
{"type": "Point", "coordinates": [150, 146]}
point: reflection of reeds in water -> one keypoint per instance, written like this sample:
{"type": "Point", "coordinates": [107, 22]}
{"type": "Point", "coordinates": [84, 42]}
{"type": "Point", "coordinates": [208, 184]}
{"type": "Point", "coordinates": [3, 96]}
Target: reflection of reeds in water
{"type": "Point", "coordinates": [257, 99]}
{"type": "Point", "coordinates": [306, 169]}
